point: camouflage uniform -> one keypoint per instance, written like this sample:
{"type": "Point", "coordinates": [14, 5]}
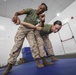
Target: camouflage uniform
{"type": "Point", "coordinates": [23, 31]}
{"type": "Point", "coordinates": [48, 45]}
{"type": "Point", "coordinates": [46, 30]}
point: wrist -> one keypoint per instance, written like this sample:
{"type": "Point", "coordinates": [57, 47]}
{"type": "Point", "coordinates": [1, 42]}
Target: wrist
{"type": "Point", "coordinates": [15, 16]}
{"type": "Point", "coordinates": [42, 21]}
{"type": "Point", "coordinates": [35, 27]}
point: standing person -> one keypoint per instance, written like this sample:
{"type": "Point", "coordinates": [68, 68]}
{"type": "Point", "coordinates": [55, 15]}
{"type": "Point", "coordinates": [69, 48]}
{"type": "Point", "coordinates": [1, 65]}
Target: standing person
{"type": "Point", "coordinates": [32, 16]}
{"type": "Point", "coordinates": [44, 32]}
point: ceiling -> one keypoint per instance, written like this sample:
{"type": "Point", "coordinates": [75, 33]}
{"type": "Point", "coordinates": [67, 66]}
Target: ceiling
{"type": "Point", "coordinates": [9, 7]}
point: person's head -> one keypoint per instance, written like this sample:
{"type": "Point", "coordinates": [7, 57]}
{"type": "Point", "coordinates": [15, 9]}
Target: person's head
{"type": "Point", "coordinates": [42, 8]}
{"type": "Point", "coordinates": [56, 26]}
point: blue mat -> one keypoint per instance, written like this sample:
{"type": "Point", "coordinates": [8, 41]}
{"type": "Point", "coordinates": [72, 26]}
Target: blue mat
{"type": "Point", "coordinates": [61, 67]}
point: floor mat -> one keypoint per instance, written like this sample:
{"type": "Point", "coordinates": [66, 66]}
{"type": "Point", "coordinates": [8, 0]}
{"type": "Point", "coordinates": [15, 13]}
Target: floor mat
{"type": "Point", "coordinates": [61, 67]}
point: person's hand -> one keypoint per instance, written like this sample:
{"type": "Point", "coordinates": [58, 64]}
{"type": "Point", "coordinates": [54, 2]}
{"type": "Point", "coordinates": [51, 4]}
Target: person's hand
{"type": "Point", "coordinates": [16, 20]}
{"type": "Point", "coordinates": [42, 17]}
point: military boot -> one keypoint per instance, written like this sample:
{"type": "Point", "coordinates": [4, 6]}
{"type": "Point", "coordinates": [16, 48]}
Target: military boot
{"type": "Point", "coordinates": [53, 58]}
{"type": "Point", "coordinates": [9, 67]}
{"type": "Point", "coordinates": [46, 63]}
{"type": "Point", "coordinates": [39, 65]}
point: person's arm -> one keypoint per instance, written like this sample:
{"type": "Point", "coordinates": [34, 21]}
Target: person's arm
{"type": "Point", "coordinates": [15, 18]}
{"type": "Point", "coordinates": [30, 25]}
{"type": "Point", "coordinates": [42, 18]}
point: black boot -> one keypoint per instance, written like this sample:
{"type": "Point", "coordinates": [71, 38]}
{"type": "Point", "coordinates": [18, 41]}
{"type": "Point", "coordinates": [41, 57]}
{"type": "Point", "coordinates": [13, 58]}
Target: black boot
{"type": "Point", "coordinates": [46, 63]}
{"type": "Point", "coordinates": [9, 67]}
{"type": "Point", "coordinates": [39, 65]}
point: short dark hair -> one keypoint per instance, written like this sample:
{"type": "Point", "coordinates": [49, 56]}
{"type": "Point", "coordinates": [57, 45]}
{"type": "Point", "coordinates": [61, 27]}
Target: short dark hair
{"type": "Point", "coordinates": [58, 22]}
{"type": "Point", "coordinates": [45, 6]}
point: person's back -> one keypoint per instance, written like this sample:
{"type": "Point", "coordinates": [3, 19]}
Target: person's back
{"type": "Point", "coordinates": [46, 29]}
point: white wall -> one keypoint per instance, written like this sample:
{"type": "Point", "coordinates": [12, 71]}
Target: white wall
{"type": "Point", "coordinates": [65, 33]}
{"type": "Point", "coordinates": [7, 33]}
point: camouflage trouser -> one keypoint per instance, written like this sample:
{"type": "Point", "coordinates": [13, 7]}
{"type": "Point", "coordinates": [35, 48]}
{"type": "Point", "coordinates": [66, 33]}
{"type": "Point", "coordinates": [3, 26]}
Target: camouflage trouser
{"type": "Point", "coordinates": [48, 45]}
{"type": "Point", "coordinates": [45, 42]}
{"type": "Point", "coordinates": [19, 39]}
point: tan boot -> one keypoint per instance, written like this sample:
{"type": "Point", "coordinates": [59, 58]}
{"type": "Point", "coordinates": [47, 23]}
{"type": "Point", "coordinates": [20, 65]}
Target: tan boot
{"type": "Point", "coordinates": [9, 67]}
{"type": "Point", "coordinates": [46, 63]}
{"type": "Point", "coordinates": [39, 65]}
{"type": "Point", "coordinates": [53, 58]}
